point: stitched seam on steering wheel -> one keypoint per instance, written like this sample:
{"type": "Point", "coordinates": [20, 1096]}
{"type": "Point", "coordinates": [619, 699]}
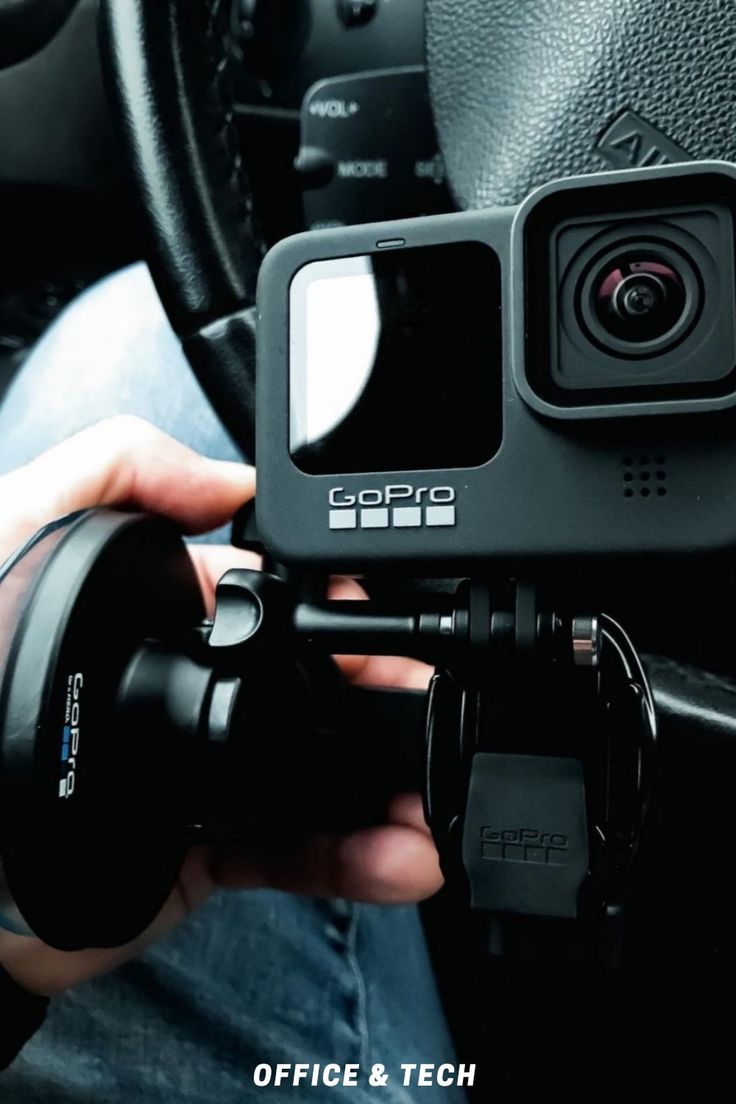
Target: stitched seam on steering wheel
{"type": "Point", "coordinates": [218, 36]}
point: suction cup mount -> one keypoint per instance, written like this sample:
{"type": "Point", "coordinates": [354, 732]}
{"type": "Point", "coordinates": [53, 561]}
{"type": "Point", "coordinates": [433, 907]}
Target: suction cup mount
{"type": "Point", "coordinates": [89, 836]}
{"type": "Point", "coordinates": [132, 727]}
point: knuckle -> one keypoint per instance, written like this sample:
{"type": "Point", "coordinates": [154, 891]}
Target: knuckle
{"type": "Point", "coordinates": [124, 429]}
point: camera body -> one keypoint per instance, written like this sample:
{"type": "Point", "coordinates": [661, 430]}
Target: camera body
{"type": "Point", "coordinates": [506, 388]}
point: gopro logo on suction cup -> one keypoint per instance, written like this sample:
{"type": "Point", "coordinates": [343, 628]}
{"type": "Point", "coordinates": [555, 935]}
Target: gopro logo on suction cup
{"type": "Point", "coordinates": [70, 736]}
{"type": "Point", "coordinates": [396, 506]}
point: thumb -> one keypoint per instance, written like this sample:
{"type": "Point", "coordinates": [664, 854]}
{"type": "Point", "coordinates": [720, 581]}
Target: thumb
{"type": "Point", "coordinates": [122, 461]}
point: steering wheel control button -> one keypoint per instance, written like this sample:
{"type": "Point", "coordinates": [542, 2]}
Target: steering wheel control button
{"type": "Point", "coordinates": [368, 150]}
{"type": "Point", "coordinates": [356, 13]}
{"type": "Point", "coordinates": [314, 166]}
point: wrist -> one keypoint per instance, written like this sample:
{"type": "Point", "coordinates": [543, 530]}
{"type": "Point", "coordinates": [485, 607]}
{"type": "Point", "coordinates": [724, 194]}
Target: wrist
{"type": "Point", "coordinates": [21, 1014]}
{"type": "Point", "coordinates": [22, 959]}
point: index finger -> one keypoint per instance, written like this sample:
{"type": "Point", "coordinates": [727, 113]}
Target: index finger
{"type": "Point", "coordinates": [122, 461]}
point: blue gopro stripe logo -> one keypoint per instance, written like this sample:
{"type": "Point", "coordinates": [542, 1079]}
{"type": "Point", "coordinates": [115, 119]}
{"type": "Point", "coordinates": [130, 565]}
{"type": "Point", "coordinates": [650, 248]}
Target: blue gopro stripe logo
{"type": "Point", "coordinates": [70, 736]}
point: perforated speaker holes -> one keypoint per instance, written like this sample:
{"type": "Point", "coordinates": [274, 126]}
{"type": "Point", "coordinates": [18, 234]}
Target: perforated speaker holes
{"type": "Point", "coordinates": [644, 475]}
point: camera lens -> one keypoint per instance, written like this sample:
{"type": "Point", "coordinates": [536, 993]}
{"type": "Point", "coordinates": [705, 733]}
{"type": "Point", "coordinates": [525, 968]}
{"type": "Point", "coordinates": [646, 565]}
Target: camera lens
{"type": "Point", "coordinates": [641, 301]}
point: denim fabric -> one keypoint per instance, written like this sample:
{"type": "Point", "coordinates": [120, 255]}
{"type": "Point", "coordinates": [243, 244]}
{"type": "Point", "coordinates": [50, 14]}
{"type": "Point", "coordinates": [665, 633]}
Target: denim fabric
{"type": "Point", "coordinates": [253, 976]}
{"type": "Point", "coordinates": [111, 352]}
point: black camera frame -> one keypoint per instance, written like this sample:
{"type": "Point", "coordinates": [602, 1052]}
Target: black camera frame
{"type": "Point", "coordinates": [685, 209]}
{"type": "Point", "coordinates": [612, 480]}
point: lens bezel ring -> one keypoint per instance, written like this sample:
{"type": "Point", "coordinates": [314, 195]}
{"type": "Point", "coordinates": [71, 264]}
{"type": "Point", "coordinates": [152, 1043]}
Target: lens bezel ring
{"type": "Point", "coordinates": [656, 249]}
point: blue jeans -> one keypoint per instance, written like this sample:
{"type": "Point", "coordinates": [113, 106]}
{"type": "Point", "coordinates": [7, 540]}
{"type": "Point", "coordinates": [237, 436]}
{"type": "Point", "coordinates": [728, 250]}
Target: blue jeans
{"type": "Point", "coordinates": [253, 976]}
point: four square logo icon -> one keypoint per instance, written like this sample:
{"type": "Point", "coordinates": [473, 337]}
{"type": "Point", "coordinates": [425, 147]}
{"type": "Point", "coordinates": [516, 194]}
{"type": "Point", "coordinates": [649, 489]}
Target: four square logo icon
{"type": "Point", "coordinates": [396, 517]}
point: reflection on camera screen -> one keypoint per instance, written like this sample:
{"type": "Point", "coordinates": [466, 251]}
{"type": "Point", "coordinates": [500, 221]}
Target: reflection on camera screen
{"type": "Point", "coordinates": [396, 360]}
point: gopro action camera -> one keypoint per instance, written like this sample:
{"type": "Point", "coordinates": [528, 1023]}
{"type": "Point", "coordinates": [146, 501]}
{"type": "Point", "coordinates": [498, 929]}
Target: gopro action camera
{"type": "Point", "coordinates": [506, 387]}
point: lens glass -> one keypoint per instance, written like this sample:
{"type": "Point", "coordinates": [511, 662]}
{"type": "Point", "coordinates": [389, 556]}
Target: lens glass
{"type": "Point", "coordinates": [639, 299]}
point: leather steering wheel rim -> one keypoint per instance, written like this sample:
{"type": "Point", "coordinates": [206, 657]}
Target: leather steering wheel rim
{"type": "Point", "coordinates": [167, 65]}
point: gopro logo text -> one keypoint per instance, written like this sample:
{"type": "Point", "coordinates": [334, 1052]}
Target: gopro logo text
{"type": "Point", "coordinates": [395, 506]}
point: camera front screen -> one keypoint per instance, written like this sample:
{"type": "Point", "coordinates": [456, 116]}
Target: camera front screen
{"type": "Point", "coordinates": [395, 360]}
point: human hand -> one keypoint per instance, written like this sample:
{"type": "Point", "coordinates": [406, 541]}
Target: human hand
{"type": "Point", "coordinates": [127, 463]}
